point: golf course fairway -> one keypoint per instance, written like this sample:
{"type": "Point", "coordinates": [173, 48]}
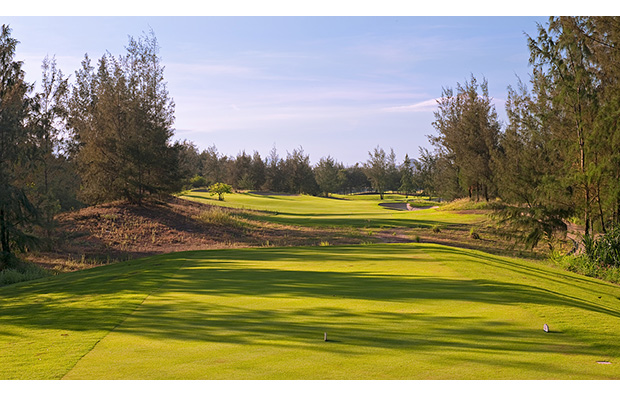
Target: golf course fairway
{"type": "Point", "coordinates": [390, 311]}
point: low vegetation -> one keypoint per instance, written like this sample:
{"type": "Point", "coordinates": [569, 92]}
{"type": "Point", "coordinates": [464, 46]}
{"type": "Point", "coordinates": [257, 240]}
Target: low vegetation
{"type": "Point", "coordinates": [18, 271]}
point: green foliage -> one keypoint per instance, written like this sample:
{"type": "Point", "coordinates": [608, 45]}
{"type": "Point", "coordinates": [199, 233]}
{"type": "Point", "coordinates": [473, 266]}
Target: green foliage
{"type": "Point", "coordinates": [582, 264]}
{"type": "Point", "coordinates": [354, 179]}
{"type": "Point", "coordinates": [189, 164]}
{"type": "Point", "coordinates": [198, 181]}
{"type": "Point", "coordinates": [220, 189]}
{"type": "Point", "coordinates": [576, 57]}
{"type": "Point", "coordinates": [381, 170]}
{"type": "Point", "coordinates": [469, 130]}
{"type": "Point", "coordinates": [298, 173]}
{"type": "Point", "coordinates": [121, 117]}
{"type": "Point", "coordinates": [469, 204]}
{"type": "Point", "coordinates": [407, 180]}
{"type": "Point", "coordinates": [214, 165]}
{"type": "Point", "coordinates": [329, 175]}
{"type": "Point", "coordinates": [531, 225]}
{"type": "Point", "coordinates": [20, 272]}
{"type": "Point", "coordinates": [605, 249]}
{"type": "Point", "coordinates": [17, 213]}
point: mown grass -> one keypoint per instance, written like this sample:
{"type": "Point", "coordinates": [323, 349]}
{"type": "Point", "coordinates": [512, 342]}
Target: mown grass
{"type": "Point", "coordinates": [397, 311]}
{"type": "Point", "coordinates": [352, 211]}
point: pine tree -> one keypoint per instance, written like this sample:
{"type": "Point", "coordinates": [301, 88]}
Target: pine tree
{"type": "Point", "coordinates": [16, 211]}
{"type": "Point", "coordinates": [377, 169]}
{"type": "Point", "coordinates": [298, 173]}
{"type": "Point", "coordinates": [407, 177]}
{"type": "Point", "coordinates": [121, 117]}
{"type": "Point", "coordinates": [468, 129]}
{"type": "Point", "coordinates": [328, 175]}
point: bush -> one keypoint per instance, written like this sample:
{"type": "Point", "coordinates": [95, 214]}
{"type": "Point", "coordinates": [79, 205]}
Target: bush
{"type": "Point", "coordinates": [473, 234]}
{"type": "Point", "coordinates": [582, 264]}
{"type": "Point", "coordinates": [605, 250]}
{"type": "Point", "coordinates": [198, 182]}
{"type": "Point", "coordinates": [22, 271]}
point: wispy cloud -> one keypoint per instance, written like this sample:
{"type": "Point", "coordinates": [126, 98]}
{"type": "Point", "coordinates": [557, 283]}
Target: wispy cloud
{"type": "Point", "coordinates": [431, 106]}
{"type": "Point", "coordinates": [424, 106]}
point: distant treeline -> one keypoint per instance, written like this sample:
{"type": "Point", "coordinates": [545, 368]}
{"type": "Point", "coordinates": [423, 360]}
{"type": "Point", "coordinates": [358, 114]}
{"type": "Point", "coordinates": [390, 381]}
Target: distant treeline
{"type": "Point", "coordinates": [295, 174]}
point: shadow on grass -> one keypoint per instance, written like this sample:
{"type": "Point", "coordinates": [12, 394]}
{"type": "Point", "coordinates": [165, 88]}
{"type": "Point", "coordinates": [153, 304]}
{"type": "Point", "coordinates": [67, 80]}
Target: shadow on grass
{"type": "Point", "coordinates": [101, 297]}
{"type": "Point", "coordinates": [303, 328]}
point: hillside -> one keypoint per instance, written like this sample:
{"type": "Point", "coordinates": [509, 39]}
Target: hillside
{"type": "Point", "coordinates": [120, 231]}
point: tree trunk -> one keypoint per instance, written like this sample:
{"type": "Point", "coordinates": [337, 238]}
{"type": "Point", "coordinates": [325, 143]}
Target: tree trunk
{"type": "Point", "coordinates": [4, 235]}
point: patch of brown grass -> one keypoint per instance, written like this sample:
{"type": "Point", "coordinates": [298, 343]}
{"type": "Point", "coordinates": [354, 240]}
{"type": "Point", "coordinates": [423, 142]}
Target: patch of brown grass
{"type": "Point", "coordinates": [120, 231]}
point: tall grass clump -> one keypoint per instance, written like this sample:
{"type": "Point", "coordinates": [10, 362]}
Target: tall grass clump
{"type": "Point", "coordinates": [469, 204]}
{"type": "Point", "coordinates": [219, 217]}
{"type": "Point", "coordinates": [600, 257]}
{"type": "Point", "coordinates": [604, 249]}
{"type": "Point", "coordinates": [17, 272]}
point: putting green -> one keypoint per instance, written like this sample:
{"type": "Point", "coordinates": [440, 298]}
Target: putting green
{"type": "Point", "coordinates": [390, 312]}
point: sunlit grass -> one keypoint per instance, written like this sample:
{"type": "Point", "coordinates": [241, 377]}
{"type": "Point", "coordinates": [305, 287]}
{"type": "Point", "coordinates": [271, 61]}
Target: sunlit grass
{"type": "Point", "coordinates": [219, 217]}
{"type": "Point", "coordinates": [357, 211]}
{"type": "Point", "coordinates": [390, 312]}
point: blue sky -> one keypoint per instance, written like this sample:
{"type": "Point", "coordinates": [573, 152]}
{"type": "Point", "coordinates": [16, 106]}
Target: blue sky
{"type": "Point", "coordinates": [335, 86]}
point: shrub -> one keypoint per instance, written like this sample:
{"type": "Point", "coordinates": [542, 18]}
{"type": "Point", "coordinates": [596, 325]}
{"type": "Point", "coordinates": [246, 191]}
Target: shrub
{"type": "Point", "coordinates": [473, 234]}
{"type": "Point", "coordinates": [605, 250]}
{"type": "Point", "coordinates": [198, 182]}
{"type": "Point", "coordinates": [582, 264]}
{"type": "Point", "coordinates": [436, 229]}
{"type": "Point", "coordinates": [20, 272]}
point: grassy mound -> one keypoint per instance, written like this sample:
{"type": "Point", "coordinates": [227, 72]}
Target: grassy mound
{"type": "Point", "coordinates": [390, 311]}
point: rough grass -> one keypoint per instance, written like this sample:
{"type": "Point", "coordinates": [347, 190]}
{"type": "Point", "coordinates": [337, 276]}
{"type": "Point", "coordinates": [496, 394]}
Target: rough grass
{"type": "Point", "coordinates": [216, 216]}
{"type": "Point", "coordinates": [117, 231]}
{"type": "Point", "coordinates": [391, 311]}
{"type": "Point", "coordinates": [468, 204]}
